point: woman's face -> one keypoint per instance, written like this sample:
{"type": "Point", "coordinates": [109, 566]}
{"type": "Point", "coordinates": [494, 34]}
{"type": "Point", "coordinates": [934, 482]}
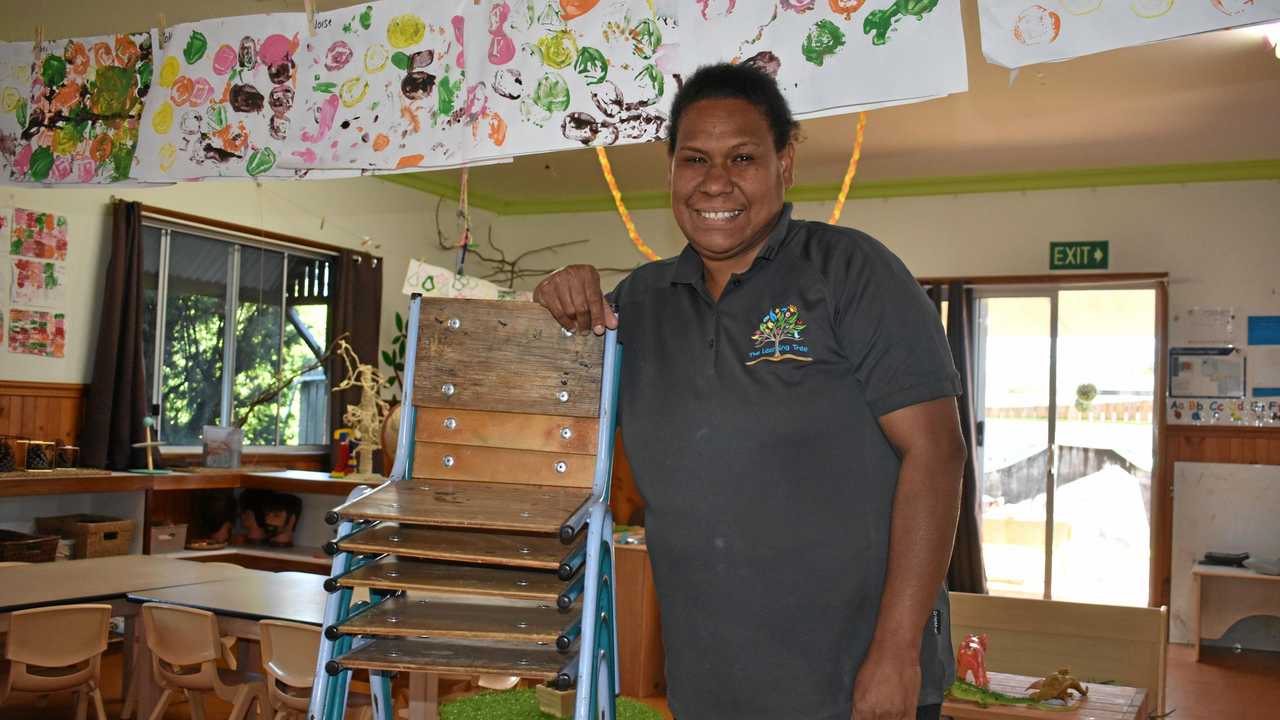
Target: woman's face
{"type": "Point", "coordinates": [727, 180]}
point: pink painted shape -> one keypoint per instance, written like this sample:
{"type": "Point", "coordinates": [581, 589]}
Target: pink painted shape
{"type": "Point", "coordinates": [224, 59]}
{"type": "Point", "coordinates": [501, 47]}
{"type": "Point", "coordinates": [307, 156]}
{"type": "Point", "coordinates": [324, 120]}
{"type": "Point", "coordinates": [202, 92]}
{"type": "Point", "coordinates": [22, 161]}
{"type": "Point", "coordinates": [275, 49]}
{"type": "Point", "coordinates": [85, 169]}
{"type": "Point", "coordinates": [61, 168]}
{"type": "Point", "coordinates": [799, 7]}
{"type": "Point", "coordinates": [703, 6]}
{"type": "Point", "coordinates": [457, 35]}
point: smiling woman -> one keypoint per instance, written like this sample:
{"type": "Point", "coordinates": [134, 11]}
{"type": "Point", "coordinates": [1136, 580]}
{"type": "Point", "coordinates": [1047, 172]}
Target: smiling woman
{"type": "Point", "coordinates": [787, 408]}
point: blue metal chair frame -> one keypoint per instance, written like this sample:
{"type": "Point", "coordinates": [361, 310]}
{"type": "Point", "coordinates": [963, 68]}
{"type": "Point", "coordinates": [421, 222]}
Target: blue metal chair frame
{"type": "Point", "coordinates": [595, 671]}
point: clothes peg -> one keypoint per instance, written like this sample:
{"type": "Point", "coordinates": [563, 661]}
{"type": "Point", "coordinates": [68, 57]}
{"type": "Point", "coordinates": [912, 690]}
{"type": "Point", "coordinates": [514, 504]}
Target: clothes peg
{"type": "Point", "coordinates": [310, 8]}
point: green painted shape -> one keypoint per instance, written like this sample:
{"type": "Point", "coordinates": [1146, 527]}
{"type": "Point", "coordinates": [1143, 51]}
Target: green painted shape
{"type": "Point", "coordinates": [197, 44]}
{"type": "Point", "coordinates": [144, 76]}
{"type": "Point", "coordinates": [646, 38]}
{"type": "Point", "coordinates": [962, 690]}
{"type": "Point", "coordinates": [400, 60]}
{"type": "Point", "coordinates": [651, 77]}
{"type": "Point", "coordinates": [523, 705]}
{"type": "Point", "coordinates": [551, 93]}
{"type": "Point", "coordinates": [20, 113]}
{"type": "Point", "coordinates": [1238, 171]}
{"type": "Point", "coordinates": [41, 164]}
{"type": "Point", "coordinates": [878, 23]}
{"type": "Point", "coordinates": [262, 160]}
{"type": "Point", "coordinates": [823, 40]}
{"type": "Point", "coordinates": [1095, 255]}
{"type": "Point", "coordinates": [325, 87]}
{"type": "Point", "coordinates": [591, 65]}
{"type": "Point", "coordinates": [122, 159]}
{"type": "Point", "coordinates": [447, 89]}
{"type": "Point", "coordinates": [53, 71]}
{"type": "Point", "coordinates": [366, 18]}
{"type": "Point", "coordinates": [110, 91]}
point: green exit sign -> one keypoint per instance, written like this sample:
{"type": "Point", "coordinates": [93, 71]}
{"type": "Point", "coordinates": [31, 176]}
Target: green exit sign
{"type": "Point", "coordinates": [1079, 255]}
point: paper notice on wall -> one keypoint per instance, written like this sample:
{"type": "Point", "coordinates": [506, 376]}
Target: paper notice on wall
{"type": "Point", "coordinates": [434, 281]}
{"type": "Point", "coordinates": [1264, 355]}
{"type": "Point", "coordinates": [1205, 326]}
{"type": "Point", "coordinates": [1203, 372]}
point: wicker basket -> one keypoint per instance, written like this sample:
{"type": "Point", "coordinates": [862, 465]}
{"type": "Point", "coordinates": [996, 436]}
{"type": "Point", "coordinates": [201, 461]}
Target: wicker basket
{"type": "Point", "coordinates": [95, 535]}
{"type": "Point", "coordinates": [21, 547]}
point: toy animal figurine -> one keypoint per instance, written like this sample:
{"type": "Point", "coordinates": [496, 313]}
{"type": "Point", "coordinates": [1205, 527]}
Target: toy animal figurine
{"type": "Point", "coordinates": [1057, 687]}
{"type": "Point", "coordinates": [342, 437]}
{"type": "Point", "coordinates": [971, 661]}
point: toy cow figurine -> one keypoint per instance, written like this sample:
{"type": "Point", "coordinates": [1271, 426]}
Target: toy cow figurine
{"type": "Point", "coordinates": [971, 661]}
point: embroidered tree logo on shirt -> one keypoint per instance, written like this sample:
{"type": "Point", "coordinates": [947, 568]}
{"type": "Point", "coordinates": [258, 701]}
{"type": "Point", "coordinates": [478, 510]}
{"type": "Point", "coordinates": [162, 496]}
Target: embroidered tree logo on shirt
{"type": "Point", "coordinates": [780, 325]}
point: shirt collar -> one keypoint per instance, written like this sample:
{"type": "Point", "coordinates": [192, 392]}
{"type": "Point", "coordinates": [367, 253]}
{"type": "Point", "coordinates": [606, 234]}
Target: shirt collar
{"type": "Point", "coordinates": [688, 268]}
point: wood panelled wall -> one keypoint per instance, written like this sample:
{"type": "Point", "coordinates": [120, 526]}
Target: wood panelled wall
{"type": "Point", "coordinates": [42, 411]}
{"type": "Point", "coordinates": [1192, 443]}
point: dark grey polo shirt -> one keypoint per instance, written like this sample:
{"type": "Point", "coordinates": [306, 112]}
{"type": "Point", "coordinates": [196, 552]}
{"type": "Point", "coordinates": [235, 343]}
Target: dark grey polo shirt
{"type": "Point", "coordinates": [751, 425]}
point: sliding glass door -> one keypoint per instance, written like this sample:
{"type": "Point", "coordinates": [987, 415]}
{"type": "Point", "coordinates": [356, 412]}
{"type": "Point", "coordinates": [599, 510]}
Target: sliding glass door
{"type": "Point", "coordinates": [1065, 387]}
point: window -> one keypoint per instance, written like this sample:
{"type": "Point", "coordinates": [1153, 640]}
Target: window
{"type": "Point", "coordinates": [224, 319]}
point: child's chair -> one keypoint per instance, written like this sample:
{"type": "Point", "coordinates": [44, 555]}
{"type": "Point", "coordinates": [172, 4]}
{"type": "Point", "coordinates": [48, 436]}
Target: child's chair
{"type": "Point", "coordinates": [54, 649]}
{"type": "Point", "coordinates": [289, 656]}
{"type": "Point", "coordinates": [185, 648]}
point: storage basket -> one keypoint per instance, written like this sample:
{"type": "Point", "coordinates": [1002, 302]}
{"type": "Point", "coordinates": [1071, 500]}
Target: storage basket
{"type": "Point", "coordinates": [95, 535]}
{"type": "Point", "coordinates": [21, 547]}
{"type": "Point", "coordinates": [168, 538]}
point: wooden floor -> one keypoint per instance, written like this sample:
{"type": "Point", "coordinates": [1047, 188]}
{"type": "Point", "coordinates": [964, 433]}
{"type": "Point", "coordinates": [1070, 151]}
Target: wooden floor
{"type": "Point", "coordinates": [1224, 686]}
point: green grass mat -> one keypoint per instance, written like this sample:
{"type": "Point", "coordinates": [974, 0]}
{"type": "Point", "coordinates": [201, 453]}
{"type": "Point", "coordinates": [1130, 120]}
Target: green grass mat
{"type": "Point", "coordinates": [522, 705]}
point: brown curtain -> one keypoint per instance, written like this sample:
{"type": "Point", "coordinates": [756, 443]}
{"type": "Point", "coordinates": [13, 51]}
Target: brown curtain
{"type": "Point", "coordinates": [966, 573]}
{"type": "Point", "coordinates": [116, 401]}
{"type": "Point", "coordinates": [357, 311]}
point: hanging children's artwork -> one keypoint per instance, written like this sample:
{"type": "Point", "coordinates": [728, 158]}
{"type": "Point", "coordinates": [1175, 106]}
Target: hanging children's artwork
{"type": "Point", "coordinates": [41, 283]}
{"type": "Point", "coordinates": [224, 100]}
{"type": "Point", "coordinates": [1023, 32]}
{"type": "Point", "coordinates": [35, 332]}
{"type": "Point", "coordinates": [549, 75]}
{"type": "Point", "coordinates": [15, 91]}
{"type": "Point", "coordinates": [833, 56]}
{"type": "Point", "coordinates": [39, 235]}
{"type": "Point", "coordinates": [85, 103]}
{"type": "Point", "coordinates": [379, 87]}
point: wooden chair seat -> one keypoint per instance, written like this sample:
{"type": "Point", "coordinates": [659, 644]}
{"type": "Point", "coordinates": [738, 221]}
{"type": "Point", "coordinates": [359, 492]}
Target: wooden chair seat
{"type": "Point", "coordinates": [411, 617]}
{"type": "Point", "coordinates": [423, 575]}
{"type": "Point", "coordinates": [484, 505]}
{"type": "Point", "coordinates": [525, 551]}
{"type": "Point", "coordinates": [456, 657]}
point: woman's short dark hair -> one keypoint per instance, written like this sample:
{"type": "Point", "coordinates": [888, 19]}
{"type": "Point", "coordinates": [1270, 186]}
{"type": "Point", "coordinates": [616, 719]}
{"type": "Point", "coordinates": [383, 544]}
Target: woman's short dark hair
{"type": "Point", "coordinates": [743, 81]}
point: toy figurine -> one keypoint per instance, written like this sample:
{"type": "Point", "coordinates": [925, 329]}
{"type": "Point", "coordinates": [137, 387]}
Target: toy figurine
{"type": "Point", "coordinates": [971, 661]}
{"type": "Point", "coordinates": [342, 437]}
{"type": "Point", "coordinates": [366, 417]}
{"type": "Point", "coordinates": [1057, 687]}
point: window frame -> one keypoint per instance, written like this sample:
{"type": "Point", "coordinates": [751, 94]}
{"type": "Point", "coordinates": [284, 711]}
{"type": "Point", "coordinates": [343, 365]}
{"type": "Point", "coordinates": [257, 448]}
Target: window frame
{"type": "Point", "coordinates": [165, 225]}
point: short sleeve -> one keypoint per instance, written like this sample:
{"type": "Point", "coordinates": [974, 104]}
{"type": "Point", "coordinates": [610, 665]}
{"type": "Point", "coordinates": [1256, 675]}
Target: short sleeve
{"type": "Point", "coordinates": [890, 331]}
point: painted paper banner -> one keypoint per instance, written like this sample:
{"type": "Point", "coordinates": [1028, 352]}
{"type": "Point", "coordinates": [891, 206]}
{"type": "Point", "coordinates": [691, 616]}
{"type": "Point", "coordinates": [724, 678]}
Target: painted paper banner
{"type": "Point", "coordinates": [41, 283]}
{"type": "Point", "coordinates": [1022, 32]}
{"type": "Point", "coordinates": [547, 75]}
{"type": "Point", "coordinates": [35, 332]}
{"type": "Point", "coordinates": [224, 101]}
{"type": "Point", "coordinates": [38, 235]}
{"type": "Point", "coordinates": [833, 56]}
{"type": "Point", "coordinates": [435, 281]}
{"type": "Point", "coordinates": [379, 86]}
{"type": "Point", "coordinates": [15, 98]}
{"type": "Point", "coordinates": [85, 103]}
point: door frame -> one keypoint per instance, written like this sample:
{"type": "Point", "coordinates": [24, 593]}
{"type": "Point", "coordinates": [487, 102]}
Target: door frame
{"type": "Point", "coordinates": [1161, 526]}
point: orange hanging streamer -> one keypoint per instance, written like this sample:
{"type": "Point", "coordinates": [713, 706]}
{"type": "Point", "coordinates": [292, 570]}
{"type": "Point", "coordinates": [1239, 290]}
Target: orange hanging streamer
{"type": "Point", "coordinates": [622, 209]}
{"type": "Point", "coordinates": [853, 169]}
{"type": "Point", "coordinates": [648, 251]}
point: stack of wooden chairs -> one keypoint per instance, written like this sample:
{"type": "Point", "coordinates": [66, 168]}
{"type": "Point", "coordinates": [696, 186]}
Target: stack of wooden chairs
{"type": "Point", "coordinates": [490, 549]}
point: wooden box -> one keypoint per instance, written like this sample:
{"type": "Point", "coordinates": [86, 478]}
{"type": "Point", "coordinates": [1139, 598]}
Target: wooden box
{"type": "Point", "coordinates": [168, 538]}
{"type": "Point", "coordinates": [641, 661]}
{"type": "Point", "coordinates": [556, 703]}
{"type": "Point", "coordinates": [21, 547]}
{"type": "Point", "coordinates": [95, 535]}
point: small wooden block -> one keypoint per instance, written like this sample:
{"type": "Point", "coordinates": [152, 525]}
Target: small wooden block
{"type": "Point", "coordinates": [457, 657]}
{"type": "Point", "coordinates": [460, 579]}
{"type": "Point", "coordinates": [409, 616]}
{"type": "Point", "coordinates": [556, 703]}
{"type": "Point", "coordinates": [515, 467]}
{"type": "Point", "coordinates": [517, 431]}
{"type": "Point", "coordinates": [472, 546]}
{"type": "Point", "coordinates": [450, 503]}
{"type": "Point", "coordinates": [504, 356]}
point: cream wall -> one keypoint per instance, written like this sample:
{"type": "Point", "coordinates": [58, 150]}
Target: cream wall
{"type": "Point", "coordinates": [338, 212]}
{"type": "Point", "coordinates": [1219, 242]}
